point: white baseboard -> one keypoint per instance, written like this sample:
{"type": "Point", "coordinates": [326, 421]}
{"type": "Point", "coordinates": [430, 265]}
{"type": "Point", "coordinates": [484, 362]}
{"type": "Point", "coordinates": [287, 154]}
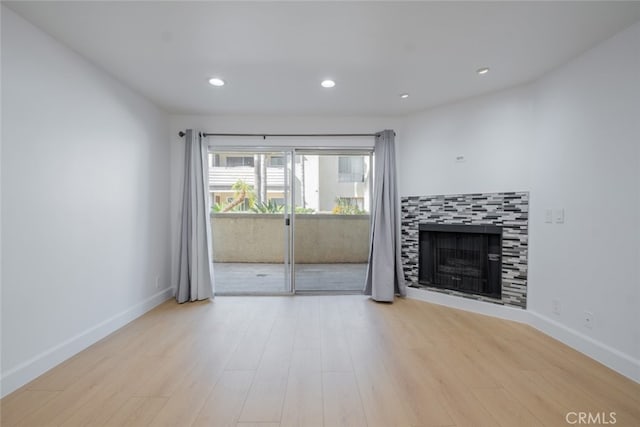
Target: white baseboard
{"type": "Point", "coordinates": [480, 307]}
{"type": "Point", "coordinates": [608, 356]}
{"type": "Point", "coordinates": [36, 366]}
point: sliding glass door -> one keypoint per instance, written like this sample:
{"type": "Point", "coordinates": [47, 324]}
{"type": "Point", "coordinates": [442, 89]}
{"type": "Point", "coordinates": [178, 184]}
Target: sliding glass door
{"type": "Point", "coordinates": [332, 199]}
{"type": "Point", "coordinates": [250, 217]}
{"type": "Point", "coordinates": [289, 221]}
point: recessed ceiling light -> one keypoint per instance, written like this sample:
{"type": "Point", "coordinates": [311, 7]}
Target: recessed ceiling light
{"type": "Point", "coordinates": [328, 83]}
{"type": "Point", "coordinates": [404, 95]}
{"type": "Point", "coordinates": [482, 71]}
{"type": "Point", "coordinates": [214, 81]}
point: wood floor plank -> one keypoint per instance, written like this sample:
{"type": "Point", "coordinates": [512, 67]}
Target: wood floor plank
{"type": "Point", "coordinates": [249, 351]}
{"type": "Point", "coordinates": [618, 394]}
{"type": "Point", "coordinates": [507, 411]}
{"type": "Point", "coordinates": [303, 400]}
{"type": "Point", "coordinates": [57, 410]}
{"type": "Point", "coordinates": [342, 404]}
{"type": "Point", "coordinates": [68, 372]}
{"type": "Point", "coordinates": [335, 351]}
{"type": "Point", "coordinates": [224, 404]}
{"type": "Point", "coordinates": [423, 398]}
{"type": "Point", "coordinates": [306, 359]}
{"type": "Point", "coordinates": [415, 385]}
{"type": "Point", "coordinates": [378, 389]}
{"type": "Point", "coordinates": [169, 371]}
{"type": "Point", "coordinates": [334, 348]}
{"type": "Point", "coordinates": [16, 407]}
{"type": "Point", "coordinates": [111, 395]}
{"type": "Point", "coordinates": [462, 357]}
{"type": "Point", "coordinates": [136, 411]}
{"type": "Point", "coordinates": [187, 400]}
{"type": "Point", "coordinates": [257, 425]}
{"type": "Point", "coordinates": [463, 407]}
{"type": "Point", "coordinates": [308, 329]}
{"type": "Point", "coordinates": [265, 398]}
{"type": "Point", "coordinates": [267, 393]}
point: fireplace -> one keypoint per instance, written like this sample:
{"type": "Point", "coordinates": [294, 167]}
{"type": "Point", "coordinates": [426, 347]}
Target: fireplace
{"type": "Point", "coordinates": [461, 257]}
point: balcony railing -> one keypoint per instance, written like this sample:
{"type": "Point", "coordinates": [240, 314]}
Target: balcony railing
{"type": "Point", "coordinates": [319, 238]}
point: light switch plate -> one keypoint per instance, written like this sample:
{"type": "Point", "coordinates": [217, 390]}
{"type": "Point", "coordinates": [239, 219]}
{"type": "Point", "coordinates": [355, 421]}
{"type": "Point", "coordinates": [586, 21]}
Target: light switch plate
{"type": "Point", "coordinates": [548, 216]}
{"type": "Point", "coordinates": [588, 320]}
{"type": "Point", "coordinates": [559, 215]}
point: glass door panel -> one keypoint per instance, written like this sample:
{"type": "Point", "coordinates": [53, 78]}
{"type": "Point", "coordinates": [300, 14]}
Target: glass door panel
{"type": "Point", "coordinates": [332, 199]}
{"type": "Point", "coordinates": [250, 206]}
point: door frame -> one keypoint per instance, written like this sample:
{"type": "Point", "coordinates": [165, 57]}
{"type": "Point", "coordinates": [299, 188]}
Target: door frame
{"type": "Point", "coordinates": [290, 152]}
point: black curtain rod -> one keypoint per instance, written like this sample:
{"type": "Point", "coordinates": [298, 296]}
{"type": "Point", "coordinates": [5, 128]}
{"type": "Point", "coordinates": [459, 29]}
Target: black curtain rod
{"type": "Point", "coordinates": [299, 135]}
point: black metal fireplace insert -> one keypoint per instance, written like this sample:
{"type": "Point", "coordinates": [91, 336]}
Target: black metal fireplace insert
{"type": "Point", "coordinates": [462, 257]}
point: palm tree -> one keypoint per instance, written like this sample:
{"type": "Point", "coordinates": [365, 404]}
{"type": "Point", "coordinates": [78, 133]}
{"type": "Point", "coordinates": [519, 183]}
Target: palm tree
{"type": "Point", "coordinates": [242, 191]}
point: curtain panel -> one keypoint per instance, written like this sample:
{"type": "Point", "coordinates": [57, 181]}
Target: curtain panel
{"type": "Point", "coordinates": [385, 277]}
{"type": "Point", "coordinates": [195, 270]}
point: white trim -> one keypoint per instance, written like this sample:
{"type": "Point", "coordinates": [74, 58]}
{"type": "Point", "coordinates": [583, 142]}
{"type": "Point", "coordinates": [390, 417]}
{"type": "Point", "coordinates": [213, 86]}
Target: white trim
{"type": "Point", "coordinates": [310, 150]}
{"type": "Point", "coordinates": [620, 362]}
{"type": "Point", "coordinates": [36, 366]}
{"type": "Point", "coordinates": [480, 307]}
{"type": "Point", "coordinates": [608, 356]}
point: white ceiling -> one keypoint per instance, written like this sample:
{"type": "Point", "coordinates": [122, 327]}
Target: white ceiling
{"type": "Point", "coordinates": [273, 55]}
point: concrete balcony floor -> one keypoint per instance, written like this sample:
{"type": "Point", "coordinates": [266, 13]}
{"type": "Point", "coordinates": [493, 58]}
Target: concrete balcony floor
{"type": "Point", "coordinates": [264, 278]}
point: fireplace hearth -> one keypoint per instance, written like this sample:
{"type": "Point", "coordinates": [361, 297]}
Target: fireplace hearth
{"type": "Point", "coordinates": [461, 257]}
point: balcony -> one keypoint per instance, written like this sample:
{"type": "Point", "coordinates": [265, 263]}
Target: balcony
{"type": "Point", "coordinates": [330, 251]}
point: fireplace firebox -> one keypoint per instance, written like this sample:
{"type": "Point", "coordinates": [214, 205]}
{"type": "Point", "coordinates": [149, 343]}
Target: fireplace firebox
{"type": "Point", "coordinates": [462, 257]}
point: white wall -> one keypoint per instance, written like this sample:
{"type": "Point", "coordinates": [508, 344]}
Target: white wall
{"type": "Point", "coordinates": [264, 124]}
{"type": "Point", "coordinates": [493, 133]}
{"type": "Point", "coordinates": [587, 162]}
{"type": "Point", "coordinates": [85, 203]}
{"type": "Point", "coordinates": [572, 139]}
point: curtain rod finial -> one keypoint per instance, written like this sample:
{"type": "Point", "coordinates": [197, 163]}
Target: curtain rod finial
{"type": "Point", "coordinates": [181, 134]}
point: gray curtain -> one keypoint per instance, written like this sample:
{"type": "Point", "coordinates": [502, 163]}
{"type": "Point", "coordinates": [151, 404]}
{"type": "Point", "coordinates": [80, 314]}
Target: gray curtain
{"type": "Point", "coordinates": [385, 277]}
{"type": "Point", "coordinates": [195, 271]}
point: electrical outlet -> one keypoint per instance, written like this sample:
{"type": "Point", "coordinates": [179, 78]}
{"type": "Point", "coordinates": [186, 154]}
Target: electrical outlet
{"type": "Point", "coordinates": [157, 282]}
{"type": "Point", "coordinates": [588, 320]}
{"type": "Point", "coordinates": [460, 159]}
{"type": "Point", "coordinates": [555, 306]}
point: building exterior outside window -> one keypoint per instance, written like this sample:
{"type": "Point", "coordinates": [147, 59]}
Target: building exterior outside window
{"type": "Point", "coordinates": [323, 183]}
{"type": "Point", "coordinates": [351, 169]}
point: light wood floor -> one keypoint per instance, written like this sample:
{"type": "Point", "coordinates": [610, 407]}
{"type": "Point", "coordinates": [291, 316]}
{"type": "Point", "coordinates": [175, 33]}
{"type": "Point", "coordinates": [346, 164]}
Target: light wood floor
{"type": "Point", "coordinates": [316, 360]}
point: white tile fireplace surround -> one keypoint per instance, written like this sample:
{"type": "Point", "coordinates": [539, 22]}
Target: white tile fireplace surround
{"type": "Point", "coordinates": [507, 210]}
